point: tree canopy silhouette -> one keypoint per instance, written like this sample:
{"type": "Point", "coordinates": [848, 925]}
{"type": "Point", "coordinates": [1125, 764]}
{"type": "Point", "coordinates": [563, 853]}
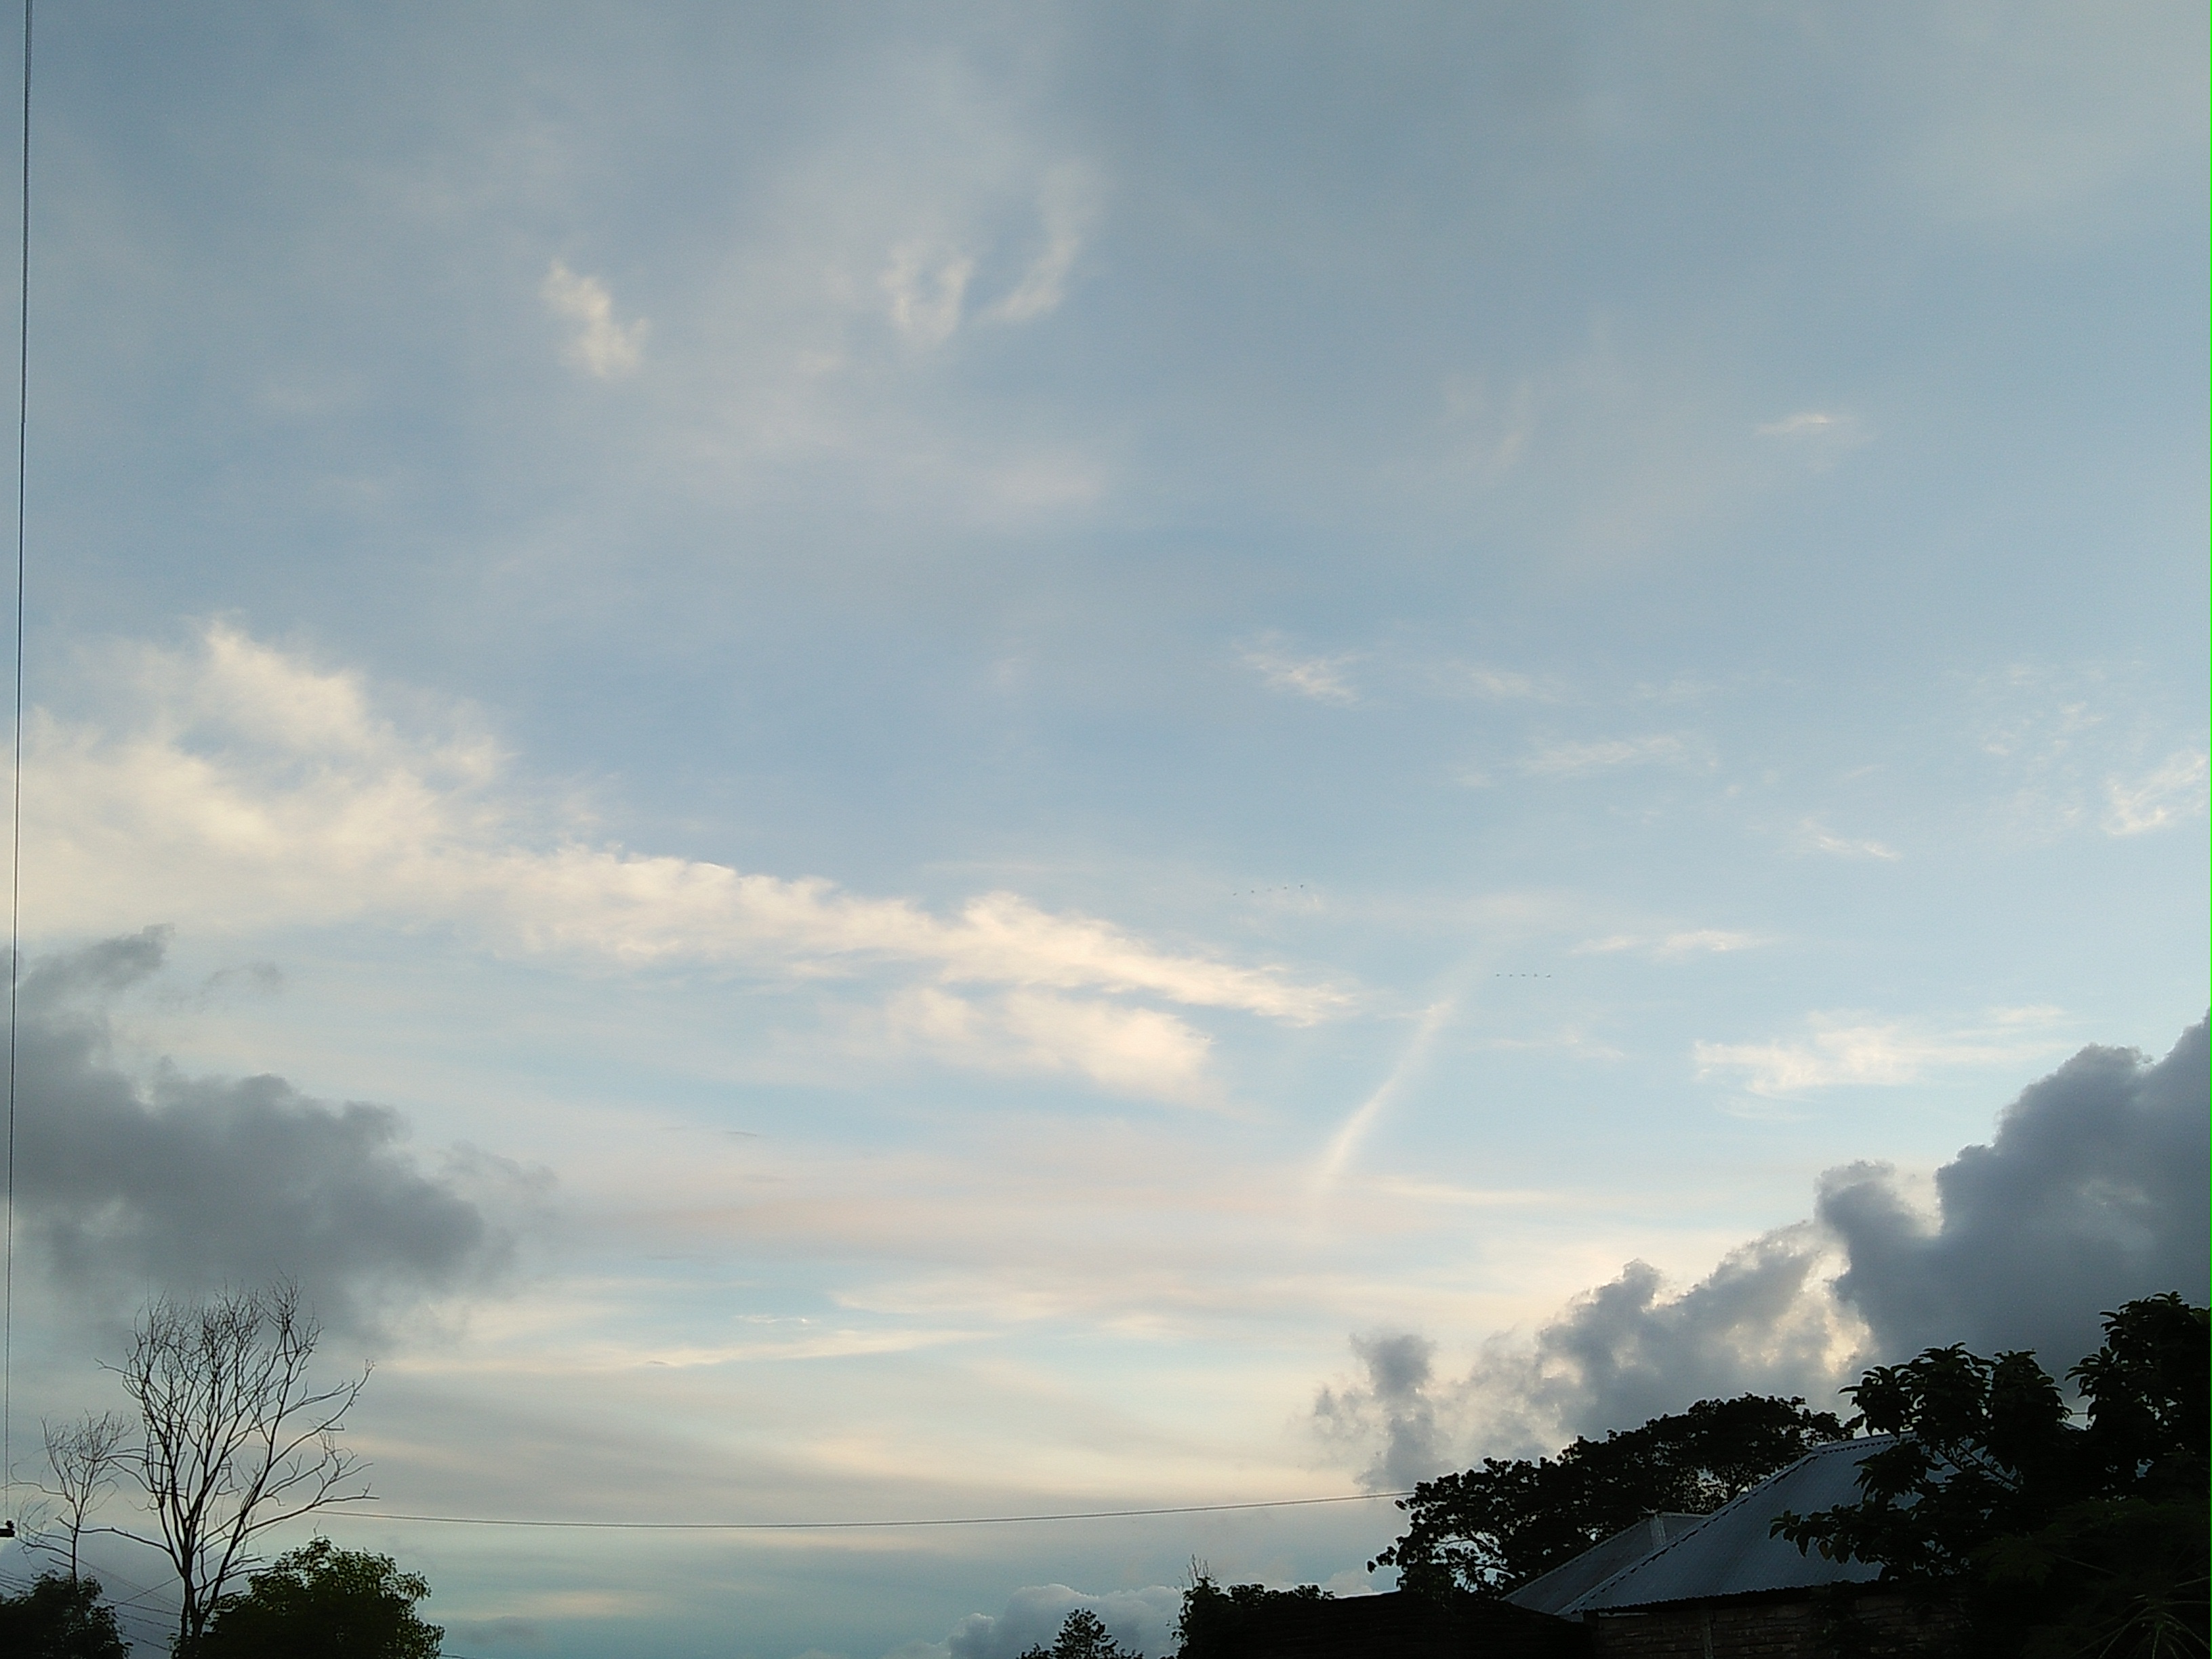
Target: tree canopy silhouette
{"type": "Point", "coordinates": [1492, 1529]}
{"type": "Point", "coordinates": [2067, 1536]}
{"type": "Point", "coordinates": [344, 1604]}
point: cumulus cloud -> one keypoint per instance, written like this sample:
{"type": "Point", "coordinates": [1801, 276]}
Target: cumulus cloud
{"type": "Point", "coordinates": [188, 1184]}
{"type": "Point", "coordinates": [1142, 1619]}
{"type": "Point", "coordinates": [240, 786]}
{"type": "Point", "coordinates": [597, 343]}
{"type": "Point", "coordinates": [2091, 1192]}
{"type": "Point", "coordinates": [1390, 1409]}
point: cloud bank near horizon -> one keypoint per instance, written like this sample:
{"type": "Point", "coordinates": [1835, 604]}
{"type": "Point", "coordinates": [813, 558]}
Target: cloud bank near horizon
{"type": "Point", "coordinates": [1142, 1621]}
{"type": "Point", "coordinates": [2092, 1191]}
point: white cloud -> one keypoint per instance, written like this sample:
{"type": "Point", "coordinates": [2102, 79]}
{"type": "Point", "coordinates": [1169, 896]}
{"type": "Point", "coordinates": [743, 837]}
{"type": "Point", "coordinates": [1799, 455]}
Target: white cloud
{"type": "Point", "coordinates": [926, 285]}
{"type": "Point", "coordinates": [600, 345]}
{"type": "Point", "coordinates": [1805, 423]}
{"type": "Point", "coordinates": [1146, 1052]}
{"type": "Point", "coordinates": [1565, 760]}
{"type": "Point", "coordinates": [1672, 947]}
{"type": "Point", "coordinates": [2169, 794]}
{"type": "Point", "coordinates": [1066, 216]}
{"type": "Point", "coordinates": [1322, 678]}
{"type": "Point", "coordinates": [1495, 684]}
{"type": "Point", "coordinates": [1851, 1050]}
{"type": "Point", "coordinates": [1820, 437]}
{"type": "Point", "coordinates": [1819, 840]}
{"type": "Point", "coordinates": [243, 788]}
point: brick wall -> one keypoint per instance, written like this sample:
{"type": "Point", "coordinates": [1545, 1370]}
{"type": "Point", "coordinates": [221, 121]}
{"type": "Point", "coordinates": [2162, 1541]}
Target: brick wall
{"type": "Point", "coordinates": [1866, 1625]}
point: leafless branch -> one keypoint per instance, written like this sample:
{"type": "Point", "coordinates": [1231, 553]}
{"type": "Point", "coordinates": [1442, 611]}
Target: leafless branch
{"type": "Point", "coordinates": [235, 1439]}
{"type": "Point", "coordinates": [85, 1456]}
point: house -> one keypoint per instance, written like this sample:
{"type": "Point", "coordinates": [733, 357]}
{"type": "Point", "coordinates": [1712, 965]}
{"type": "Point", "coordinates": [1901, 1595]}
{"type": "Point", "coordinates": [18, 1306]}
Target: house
{"type": "Point", "coordinates": [1400, 1626]}
{"type": "Point", "coordinates": [1721, 1586]}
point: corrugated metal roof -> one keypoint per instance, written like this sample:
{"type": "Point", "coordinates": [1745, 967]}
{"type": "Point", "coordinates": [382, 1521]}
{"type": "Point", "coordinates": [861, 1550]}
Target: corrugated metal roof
{"type": "Point", "coordinates": [1731, 1551]}
{"type": "Point", "coordinates": [1556, 1589]}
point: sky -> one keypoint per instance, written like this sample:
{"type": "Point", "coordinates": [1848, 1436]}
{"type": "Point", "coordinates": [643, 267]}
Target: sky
{"type": "Point", "coordinates": [868, 763]}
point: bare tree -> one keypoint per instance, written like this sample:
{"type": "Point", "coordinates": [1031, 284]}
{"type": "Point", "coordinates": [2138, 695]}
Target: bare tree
{"type": "Point", "coordinates": [86, 1457]}
{"type": "Point", "coordinates": [236, 1439]}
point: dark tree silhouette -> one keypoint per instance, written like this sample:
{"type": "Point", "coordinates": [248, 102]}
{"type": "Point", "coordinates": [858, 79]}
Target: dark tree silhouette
{"type": "Point", "coordinates": [347, 1604]}
{"type": "Point", "coordinates": [1494, 1528]}
{"type": "Point", "coordinates": [1213, 1614]}
{"type": "Point", "coordinates": [2065, 1536]}
{"type": "Point", "coordinates": [1083, 1636]}
{"type": "Point", "coordinates": [59, 1618]}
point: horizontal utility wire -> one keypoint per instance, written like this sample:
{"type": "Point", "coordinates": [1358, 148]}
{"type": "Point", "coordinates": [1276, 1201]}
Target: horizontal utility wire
{"type": "Point", "coordinates": [848, 1525]}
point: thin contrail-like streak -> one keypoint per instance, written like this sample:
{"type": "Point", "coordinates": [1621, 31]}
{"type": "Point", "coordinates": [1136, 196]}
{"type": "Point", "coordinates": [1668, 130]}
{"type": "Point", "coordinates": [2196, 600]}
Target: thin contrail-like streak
{"type": "Point", "coordinates": [1348, 1139]}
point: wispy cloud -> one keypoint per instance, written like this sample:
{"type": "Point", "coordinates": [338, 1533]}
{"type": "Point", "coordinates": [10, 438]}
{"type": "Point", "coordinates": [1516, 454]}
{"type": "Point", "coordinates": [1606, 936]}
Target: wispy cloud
{"type": "Point", "coordinates": [1841, 1050]}
{"type": "Point", "coordinates": [1495, 684]}
{"type": "Point", "coordinates": [1672, 947]}
{"type": "Point", "coordinates": [1818, 839]}
{"type": "Point", "coordinates": [1065, 212]}
{"type": "Point", "coordinates": [1566, 760]}
{"type": "Point", "coordinates": [924, 289]}
{"type": "Point", "coordinates": [1323, 678]}
{"type": "Point", "coordinates": [2170, 793]}
{"type": "Point", "coordinates": [1818, 439]}
{"type": "Point", "coordinates": [1146, 1052]}
{"type": "Point", "coordinates": [1346, 1142]}
{"type": "Point", "coordinates": [597, 344]}
{"type": "Point", "coordinates": [250, 789]}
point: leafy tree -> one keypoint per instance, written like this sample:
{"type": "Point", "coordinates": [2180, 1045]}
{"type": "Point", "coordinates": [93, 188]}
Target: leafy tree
{"type": "Point", "coordinates": [1083, 1636]}
{"type": "Point", "coordinates": [330, 1603]}
{"type": "Point", "coordinates": [59, 1617]}
{"type": "Point", "coordinates": [2066, 1536]}
{"type": "Point", "coordinates": [1212, 1614]}
{"type": "Point", "coordinates": [1492, 1529]}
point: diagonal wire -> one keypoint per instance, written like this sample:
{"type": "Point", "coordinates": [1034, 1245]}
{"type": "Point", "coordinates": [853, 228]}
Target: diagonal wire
{"type": "Point", "coordinates": [851, 1526]}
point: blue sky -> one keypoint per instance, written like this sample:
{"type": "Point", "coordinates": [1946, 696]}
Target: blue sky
{"type": "Point", "coordinates": [1002, 722]}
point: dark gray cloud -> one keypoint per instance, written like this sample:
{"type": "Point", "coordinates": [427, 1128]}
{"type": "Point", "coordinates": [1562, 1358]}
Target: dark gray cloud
{"type": "Point", "coordinates": [184, 1184]}
{"type": "Point", "coordinates": [2092, 1191]}
{"type": "Point", "coordinates": [1391, 1409]}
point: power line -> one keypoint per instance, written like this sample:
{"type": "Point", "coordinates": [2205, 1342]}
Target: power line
{"type": "Point", "coordinates": [854, 1526]}
{"type": "Point", "coordinates": [15, 808]}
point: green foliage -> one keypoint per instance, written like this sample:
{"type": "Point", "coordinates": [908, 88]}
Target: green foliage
{"type": "Point", "coordinates": [1492, 1529]}
{"type": "Point", "coordinates": [1083, 1636]}
{"type": "Point", "coordinates": [1212, 1614]}
{"type": "Point", "coordinates": [2067, 1537]}
{"type": "Point", "coordinates": [59, 1618]}
{"type": "Point", "coordinates": [326, 1601]}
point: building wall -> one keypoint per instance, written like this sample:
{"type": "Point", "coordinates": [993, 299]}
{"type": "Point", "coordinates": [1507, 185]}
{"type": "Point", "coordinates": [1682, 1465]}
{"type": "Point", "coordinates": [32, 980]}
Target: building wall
{"type": "Point", "coordinates": [1863, 1625]}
